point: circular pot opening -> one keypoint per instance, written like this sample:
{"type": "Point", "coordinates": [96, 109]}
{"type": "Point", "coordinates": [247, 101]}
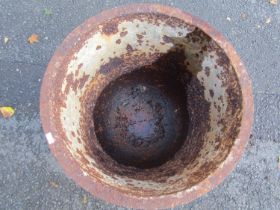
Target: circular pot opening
{"type": "Point", "coordinates": [162, 111]}
{"type": "Point", "coordinates": [145, 104]}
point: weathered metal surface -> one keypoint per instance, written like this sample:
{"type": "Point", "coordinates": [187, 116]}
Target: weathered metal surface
{"type": "Point", "coordinates": [213, 106]}
{"type": "Point", "coordinates": [141, 118]}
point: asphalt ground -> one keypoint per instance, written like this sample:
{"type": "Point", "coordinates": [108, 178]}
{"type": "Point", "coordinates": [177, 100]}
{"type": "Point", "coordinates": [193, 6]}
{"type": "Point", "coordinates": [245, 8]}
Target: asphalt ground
{"type": "Point", "coordinates": [30, 177]}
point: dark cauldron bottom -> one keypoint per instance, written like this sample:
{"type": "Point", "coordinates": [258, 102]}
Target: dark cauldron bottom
{"type": "Point", "coordinates": [141, 118]}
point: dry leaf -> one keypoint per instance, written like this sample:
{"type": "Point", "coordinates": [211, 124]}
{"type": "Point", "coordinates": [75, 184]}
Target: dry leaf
{"type": "Point", "coordinates": [6, 39]}
{"type": "Point", "coordinates": [274, 2]}
{"type": "Point", "coordinates": [85, 200]}
{"type": "Point", "coordinates": [33, 38]}
{"type": "Point", "coordinates": [7, 111]}
{"type": "Point", "coordinates": [54, 184]}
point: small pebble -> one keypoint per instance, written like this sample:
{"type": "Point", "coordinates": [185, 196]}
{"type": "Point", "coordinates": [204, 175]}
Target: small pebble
{"type": "Point", "coordinates": [243, 16]}
{"type": "Point", "coordinates": [6, 39]}
{"type": "Point", "coordinates": [268, 20]}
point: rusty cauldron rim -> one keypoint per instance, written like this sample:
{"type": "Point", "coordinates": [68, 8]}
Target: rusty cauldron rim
{"type": "Point", "coordinates": [109, 193]}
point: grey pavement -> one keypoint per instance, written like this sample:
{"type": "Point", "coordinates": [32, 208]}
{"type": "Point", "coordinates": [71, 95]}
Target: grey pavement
{"type": "Point", "coordinates": [30, 178]}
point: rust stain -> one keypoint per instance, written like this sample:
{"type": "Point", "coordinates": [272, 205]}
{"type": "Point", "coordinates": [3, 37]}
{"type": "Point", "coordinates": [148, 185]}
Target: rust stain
{"type": "Point", "coordinates": [123, 33]}
{"type": "Point", "coordinates": [211, 93]}
{"type": "Point", "coordinates": [69, 82]}
{"type": "Point", "coordinates": [139, 38]}
{"type": "Point", "coordinates": [207, 71]}
{"type": "Point", "coordinates": [113, 63]}
{"type": "Point", "coordinates": [73, 134]}
{"type": "Point", "coordinates": [167, 39]}
{"type": "Point", "coordinates": [83, 159]}
{"type": "Point", "coordinates": [74, 84]}
{"type": "Point", "coordinates": [110, 28]}
{"type": "Point", "coordinates": [129, 48]}
{"type": "Point", "coordinates": [83, 80]}
{"type": "Point", "coordinates": [118, 41]}
{"type": "Point", "coordinates": [78, 69]}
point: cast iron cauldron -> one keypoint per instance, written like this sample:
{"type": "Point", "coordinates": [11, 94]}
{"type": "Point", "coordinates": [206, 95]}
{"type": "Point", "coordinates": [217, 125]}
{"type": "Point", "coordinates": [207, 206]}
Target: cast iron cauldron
{"type": "Point", "coordinates": [146, 106]}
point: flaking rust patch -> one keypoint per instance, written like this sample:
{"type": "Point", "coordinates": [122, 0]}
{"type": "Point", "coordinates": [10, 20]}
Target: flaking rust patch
{"type": "Point", "coordinates": [50, 138]}
{"type": "Point", "coordinates": [230, 156]}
